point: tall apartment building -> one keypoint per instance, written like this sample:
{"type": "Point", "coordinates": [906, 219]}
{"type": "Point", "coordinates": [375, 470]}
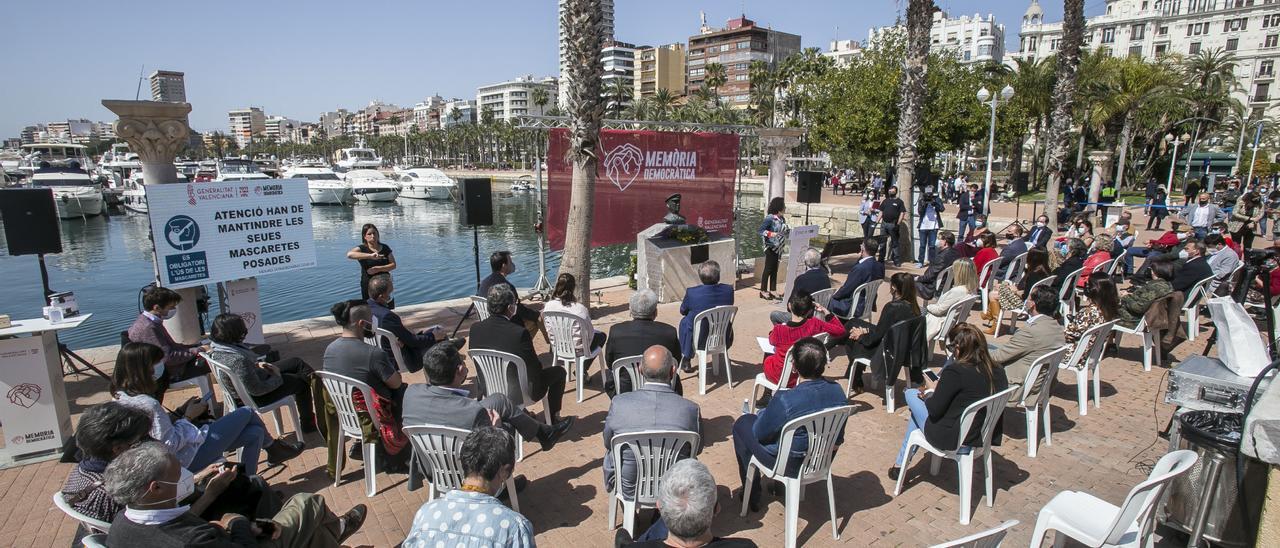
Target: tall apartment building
{"type": "Point", "coordinates": [735, 47]}
{"type": "Point", "coordinates": [246, 124]}
{"type": "Point", "coordinates": [619, 60]}
{"type": "Point", "coordinates": [606, 35]}
{"type": "Point", "coordinates": [843, 52]}
{"type": "Point", "coordinates": [334, 123]}
{"type": "Point", "coordinates": [426, 114]}
{"type": "Point", "coordinates": [970, 39]}
{"type": "Point", "coordinates": [168, 86]}
{"type": "Point", "coordinates": [1248, 29]}
{"type": "Point", "coordinates": [458, 112]}
{"type": "Point", "coordinates": [660, 67]}
{"type": "Point", "coordinates": [513, 98]}
{"type": "Point", "coordinates": [31, 134]}
{"type": "Point", "coordinates": [281, 129]}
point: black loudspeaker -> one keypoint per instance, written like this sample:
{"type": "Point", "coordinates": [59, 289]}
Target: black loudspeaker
{"type": "Point", "coordinates": [1021, 180]}
{"type": "Point", "coordinates": [477, 202]}
{"type": "Point", "coordinates": [925, 179]}
{"type": "Point", "coordinates": [30, 221]}
{"type": "Point", "coordinates": [809, 186]}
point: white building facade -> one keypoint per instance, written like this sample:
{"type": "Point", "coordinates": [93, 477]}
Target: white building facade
{"type": "Point", "coordinates": [606, 35]}
{"type": "Point", "coordinates": [1247, 29]}
{"type": "Point", "coordinates": [971, 39]}
{"type": "Point", "coordinates": [843, 52]}
{"type": "Point", "coordinates": [513, 98]}
{"type": "Point", "coordinates": [619, 59]}
{"type": "Point", "coordinates": [246, 123]}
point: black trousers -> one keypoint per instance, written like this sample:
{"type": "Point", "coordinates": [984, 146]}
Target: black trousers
{"type": "Point", "coordinates": [1245, 237]}
{"type": "Point", "coordinates": [297, 383]}
{"type": "Point", "coordinates": [769, 278]}
{"type": "Point", "coordinates": [889, 242]}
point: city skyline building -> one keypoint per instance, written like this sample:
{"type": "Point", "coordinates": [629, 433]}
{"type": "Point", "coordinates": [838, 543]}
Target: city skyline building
{"type": "Point", "coordinates": [659, 67]}
{"type": "Point", "coordinates": [512, 98]}
{"type": "Point", "coordinates": [970, 39]}
{"type": "Point", "coordinates": [606, 35]}
{"type": "Point", "coordinates": [168, 86]}
{"type": "Point", "coordinates": [735, 46]}
{"type": "Point", "coordinates": [843, 52]}
{"type": "Point", "coordinates": [246, 124]}
{"type": "Point", "coordinates": [619, 60]}
{"type": "Point", "coordinates": [458, 112]}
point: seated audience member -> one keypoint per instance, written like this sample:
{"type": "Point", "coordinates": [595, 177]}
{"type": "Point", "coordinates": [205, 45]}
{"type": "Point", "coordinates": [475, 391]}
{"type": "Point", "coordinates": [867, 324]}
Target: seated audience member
{"type": "Point", "coordinates": [965, 284]}
{"type": "Point", "coordinates": [472, 515]}
{"type": "Point", "coordinates": [868, 268]}
{"type": "Point", "coordinates": [1195, 269]}
{"type": "Point", "coordinates": [1135, 304]}
{"type": "Point", "coordinates": [814, 278]}
{"type": "Point", "coordinates": [412, 345]}
{"type": "Point", "coordinates": [564, 300]}
{"type": "Point", "coordinates": [1076, 251]}
{"type": "Point", "coordinates": [1039, 335]}
{"type": "Point", "coordinates": [986, 251]}
{"type": "Point", "coordinates": [445, 402]}
{"type": "Point", "coordinates": [502, 266]}
{"type": "Point", "coordinates": [1123, 243]}
{"type": "Point", "coordinates": [865, 339]}
{"type": "Point", "coordinates": [1099, 253]}
{"type": "Point", "coordinates": [803, 323]}
{"type": "Point", "coordinates": [147, 480]}
{"type": "Point", "coordinates": [946, 255]}
{"type": "Point", "coordinates": [181, 361]}
{"type": "Point", "coordinates": [1017, 245]}
{"type": "Point", "coordinates": [1101, 305]}
{"type": "Point", "coordinates": [350, 356]}
{"type": "Point", "coordinates": [1221, 229]}
{"type": "Point", "coordinates": [267, 383]}
{"type": "Point", "coordinates": [633, 337]}
{"type": "Point", "coordinates": [1223, 262]}
{"type": "Point", "coordinates": [687, 506]}
{"type": "Point", "coordinates": [758, 435]}
{"type": "Point", "coordinates": [1041, 233]}
{"type": "Point", "coordinates": [499, 333]}
{"type": "Point", "coordinates": [1012, 295]}
{"type": "Point", "coordinates": [133, 383]}
{"type": "Point", "coordinates": [653, 406]}
{"type": "Point", "coordinates": [698, 299]}
{"type": "Point", "coordinates": [937, 405]}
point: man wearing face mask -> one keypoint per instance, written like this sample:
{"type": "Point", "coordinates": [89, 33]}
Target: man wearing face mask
{"type": "Point", "coordinates": [180, 360]}
{"type": "Point", "coordinates": [891, 210]}
{"type": "Point", "coordinates": [502, 266]}
{"type": "Point", "coordinates": [412, 345]}
{"type": "Point", "coordinates": [499, 333]}
{"type": "Point", "coordinates": [1041, 233]}
{"type": "Point", "coordinates": [1201, 215]}
{"type": "Point", "coordinates": [147, 480]}
{"type": "Point", "coordinates": [1194, 269]}
{"type": "Point", "coordinates": [968, 207]}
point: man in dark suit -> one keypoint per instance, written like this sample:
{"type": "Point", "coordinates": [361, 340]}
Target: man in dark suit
{"type": "Point", "coordinates": [1041, 233]}
{"type": "Point", "coordinates": [698, 299]}
{"type": "Point", "coordinates": [633, 337]}
{"type": "Point", "coordinates": [947, 254]}
{"type": "Point", "coordinates": [1195, 269]}
{"type": "Point", "coordinates": [654, 406]}
{"type": "Point", "coordinates": [445, 403]}
{"type": "Point", "coordinates": [502, 266]}
{"type": "Point", "coordinates": [867, 269]}
{"type": "Point", "coordinates": [1017, 245]}
{"type": "Point", "coordinates": [412, 345]}
{"type": "Point", "coordinates": [500, 333]}
{"type": "Point", "coordinates": [968, 207]}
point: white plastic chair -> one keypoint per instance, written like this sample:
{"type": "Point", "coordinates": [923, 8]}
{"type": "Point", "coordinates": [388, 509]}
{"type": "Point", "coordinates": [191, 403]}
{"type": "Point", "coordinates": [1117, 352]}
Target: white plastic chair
{"type": "Point", "coordinates": [987, 282]}
{"type": "Point", "coordinates": [943, 283]}
{"type": "Point", "coordinates": [223, 374]}
{"type": "Point", "coordinates": [1196, 297]}
{"type": "Point", "coordinates": [904, 328]}
{"type": "Point", "coordinates": [866, 292]}
{"type": "Point", "coordinates": [1086, 361]}
{"type": "Point", "coordinates": [561, 327]}
{"type": "Point", "coordinates": [629, 366]}
{"type": "Point", "coordinates": [1102, 267]}
{"type": "Point", "coordinates": [992, 407]}
{"type": "Point", "coordinates": [956, 313]}
{"type": "Point", "coordinates": [438, 449]}
{"type": "Point", "coordinates": [340, 389]}
{"type": "Point", "coordinates": [94, 541]}
{"type": "Point", "coordinates": [991, 538]}
{"type": "Point", "coordinates": [1066, 293]}
{"type": "Point", "coordinates": [1013, 314]}
{"type": "Point", "coordinates": [1016, 267]}
{"type": "Point", "coordinates": [654, 452]}
{"type": "Point", "coordinates": [1096, 522]}
{"type": "Point", "coordinates": [719, 320]}
{"type": "Point", "coordinates": [397, 353]}
{"type": "Point", "coordinates": [93, 525]}
{"type": "Point", "coordinates": [492, 367]}
{"type": "Point", "coordinates": [201, 382]}
{"type": "Point", "coordinates": [482, 306]}
{"type": "Point", "coordinates": [823, 429]}
{"type": "Point", "coordinates": [1117, 263]}
{"type": "Point", "coordinates": [763, 381]}
{"type": "Point", "coordinates": [822, 297]}
{"type": "Point", "coordinates": [1036, 391]}
{"type": "Point", "coordinates": [1150, 341]}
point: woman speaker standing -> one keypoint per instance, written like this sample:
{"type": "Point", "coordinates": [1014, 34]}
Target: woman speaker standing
{"type": "Point", "coordinates": [774, 231]}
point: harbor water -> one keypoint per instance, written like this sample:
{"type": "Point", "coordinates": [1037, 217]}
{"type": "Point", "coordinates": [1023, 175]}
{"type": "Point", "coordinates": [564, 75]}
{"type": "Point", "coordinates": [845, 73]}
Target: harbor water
{"type": "Point", "coordinates": [107, 260]}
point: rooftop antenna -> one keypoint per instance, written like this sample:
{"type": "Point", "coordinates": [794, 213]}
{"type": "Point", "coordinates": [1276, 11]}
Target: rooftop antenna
{"type": "Point", "coordinates": [137, 93]}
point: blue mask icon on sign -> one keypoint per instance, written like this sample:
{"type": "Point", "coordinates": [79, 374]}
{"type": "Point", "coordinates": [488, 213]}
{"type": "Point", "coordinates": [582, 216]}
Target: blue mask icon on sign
{"type": "Point", "coordinates": [182, 232]}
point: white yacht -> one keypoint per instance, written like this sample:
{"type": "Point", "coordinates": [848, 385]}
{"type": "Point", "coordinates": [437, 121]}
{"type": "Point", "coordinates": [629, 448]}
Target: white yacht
{"type": "Point", "coordinates": [10, 167]}
{"type": "Point", "coordinates": [425, 183]}
{"type": "Point", "coordinates": [323, 185]}
{"type": "Point", "coordinates": [134, 197]}
{"type": "Point", "coordinates": [370, 185]}
{"type": "Point", "coordinates": [521, 185]}
{"type": "Point", "coordinates": [118, 165]}
{"type": "Point", "coordinates": [54, 154]}
{"type": "Point", "coordinates": [75, 192]}
{"type": "Point", "coordinates": [238, 169]}
{"type": "Point", "coordinates": [357, 158]}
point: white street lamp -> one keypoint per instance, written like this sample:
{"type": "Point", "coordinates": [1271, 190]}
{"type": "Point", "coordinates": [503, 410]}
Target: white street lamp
{"type": "Point", "coordinates": [1168, 138]}
{"type": "Point", "coordinates": [1257, 138]}
{"type": "Point", "coordinates": [983, 96]}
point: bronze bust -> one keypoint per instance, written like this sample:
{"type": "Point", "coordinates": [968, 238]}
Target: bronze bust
{"type": "Point", "coordinates": [673, 211]}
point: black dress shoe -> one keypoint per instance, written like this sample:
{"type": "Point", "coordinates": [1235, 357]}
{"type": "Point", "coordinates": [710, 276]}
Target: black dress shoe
{"type": "Point", "coordinates": [281, 451]}
{"type": "Point", "coordinates": [552, 434]}
{"type": "Point", "coordinates": [894, 472]}
{"type": "Point", "coordinates": [521, 483]}
{"type": "Point", "coordinates": [621, 538]}
{"type": "Point", "coordinates": [352, 520]}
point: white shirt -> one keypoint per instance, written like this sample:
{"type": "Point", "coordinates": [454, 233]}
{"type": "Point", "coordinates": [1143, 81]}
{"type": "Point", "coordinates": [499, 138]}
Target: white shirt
{"type": "Point", "coordinates": [142, 516]}
{"type": "Point", "coordinates": [930, 219]}
{"type": "Point", "coordinates": [1200, 219]}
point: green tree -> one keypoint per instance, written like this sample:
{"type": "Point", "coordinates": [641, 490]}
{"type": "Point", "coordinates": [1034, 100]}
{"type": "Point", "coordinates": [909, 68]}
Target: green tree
{"type": "Point", "coordinates": [713, 79]}
{"type": "Point", "coordinates": [1129, 88]}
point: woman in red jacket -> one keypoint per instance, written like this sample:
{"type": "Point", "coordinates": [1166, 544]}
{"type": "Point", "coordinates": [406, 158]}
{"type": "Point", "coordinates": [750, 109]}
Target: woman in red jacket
{"type": "Point", "coordinates": [985, 254]}
{"type": "Point", "coordinates": [803, 324]}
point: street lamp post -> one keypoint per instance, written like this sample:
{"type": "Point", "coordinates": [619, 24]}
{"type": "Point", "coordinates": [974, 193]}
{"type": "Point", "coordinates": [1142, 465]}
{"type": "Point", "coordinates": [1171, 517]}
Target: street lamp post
{"type": "Point", "coordinates": [983, 95]}
{"type": "Point", "coordinates": [1257, 138]}
{"type": "Point", "coordinates": [1168, 138]}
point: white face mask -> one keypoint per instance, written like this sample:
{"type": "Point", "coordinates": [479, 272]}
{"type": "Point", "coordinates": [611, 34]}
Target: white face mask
{"type": "Point", "coordinates": [157, 370]}
{"type": "Point", "coordinates": [1183, 254]}
{"type": "Point", "coordinates": [1039, 225]}
{"type": "Point", "coordinates": [170, 314]}
{"type": "Point", "coordinates": [185, 486]}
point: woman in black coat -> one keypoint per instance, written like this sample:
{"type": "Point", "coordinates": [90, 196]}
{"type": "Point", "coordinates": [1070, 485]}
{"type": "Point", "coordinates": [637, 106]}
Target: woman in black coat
{"type": "Point", "coordinates": [865, 339]}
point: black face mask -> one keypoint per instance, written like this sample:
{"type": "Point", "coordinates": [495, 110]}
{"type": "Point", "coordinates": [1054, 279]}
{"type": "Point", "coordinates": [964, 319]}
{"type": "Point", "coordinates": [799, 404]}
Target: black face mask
{"type": "Point", "coordinates": [367, 331]}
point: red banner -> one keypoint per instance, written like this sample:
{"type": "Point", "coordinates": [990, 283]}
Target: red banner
{"type": "Point", "coordinates": [636, 173]}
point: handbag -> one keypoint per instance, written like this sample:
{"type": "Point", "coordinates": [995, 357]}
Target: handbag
{"type": "Point", "coordinates": [1240, 345]}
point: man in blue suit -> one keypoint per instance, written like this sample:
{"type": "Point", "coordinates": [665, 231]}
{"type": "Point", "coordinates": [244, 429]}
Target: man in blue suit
{"type": "Point", "coordinates": [968, 207]}
{"type": "Point", "coordinates": [1041, 233]}
{"type": "Point", "coordinates": [1017, 245]}
{"type": "Point", "coordinates": [867, 269]}
{"type": "Point", "coordinates": [412, 345]}
{"type": "Point", "coordinates": [700, 298]}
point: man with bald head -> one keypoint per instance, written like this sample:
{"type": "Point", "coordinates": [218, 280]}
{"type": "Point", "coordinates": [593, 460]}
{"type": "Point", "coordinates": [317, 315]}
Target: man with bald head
{"type": "Point", "coordinates": [654, 406]}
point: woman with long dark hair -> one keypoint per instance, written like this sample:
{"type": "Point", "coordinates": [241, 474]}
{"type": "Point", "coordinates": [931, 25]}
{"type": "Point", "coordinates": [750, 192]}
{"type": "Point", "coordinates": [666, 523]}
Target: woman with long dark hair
{"type": "Point", "coordinates": [1103, 306]}
{"type": "Point", "coordinates": [563, 299]}
{"type": "Point", "coordinates": [774, 232]}
{"type": "Point", "coordinates": [266, 383]}
{"type": "Point", "coordinates": [374, 257]}
{"type": "Point", "coordinates": [937, 405]}
{"type": "Point", "coordinates": [865, 339]}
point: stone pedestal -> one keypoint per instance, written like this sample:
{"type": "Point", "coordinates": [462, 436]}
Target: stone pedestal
{"type": "Point", "coordinates": [1101, 162]}
{"type": "Point", "coordinates": [664, 266]}
{"type": "Point", "coordinates": [778, 142]}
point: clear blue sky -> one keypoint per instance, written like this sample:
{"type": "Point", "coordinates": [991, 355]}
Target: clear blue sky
{"type": "Point", "coordinates": [298, 59]}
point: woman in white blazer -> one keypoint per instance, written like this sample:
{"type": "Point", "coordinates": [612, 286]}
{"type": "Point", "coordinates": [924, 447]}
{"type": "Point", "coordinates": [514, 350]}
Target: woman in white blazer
{"type": "Point", "coordinates": [965, 284]}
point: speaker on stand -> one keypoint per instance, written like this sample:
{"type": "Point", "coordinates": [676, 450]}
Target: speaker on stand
{"type": "Point", "coordinates": [477, 211]}
{"type": "Point", "coordinates": [809, 189]}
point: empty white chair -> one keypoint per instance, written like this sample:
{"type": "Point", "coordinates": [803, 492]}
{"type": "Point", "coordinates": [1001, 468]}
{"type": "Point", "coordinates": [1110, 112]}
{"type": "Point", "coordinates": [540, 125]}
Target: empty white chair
{"type": "Point", "coordinates": [822, 297]}
{"type": "Point", "coordinates": [1196, 297]}
{"type": "Point", "coordinates": [629, 366]}
{"type": "Point", "coordinates": [956, 313]}
{"type": "Point", "coordinates": [492, 367]}
{"type": "Point", "coordinates": [1117, 263]}
{"type": "Point", "coordinates": [823, 428]}
{"type": "Point", "coordinates": [1037, 388]}
{"type": "Point", "coordinates": [482, 307]}
{"type": "Point", "coordinates": [991, 538]}
{"type": "Point", "coordinates": [1086, 361]}
{"type": "Point", "coordinates": [94, 541]}
{"type": "Point", "coordinates": [340, 389]}
{"type": "Point", "coordinates": [1066, 294]}
{"type": "Point", "coordinates": [991, 407]}
{"type": "Point", "coordinates": [91, 524]}
{"type": "Point", "coordinates": [560, 328]}
{"type": "Point", "coordinates": [1096, 522]}
{"type": "Point", "coordinates": [1016, 267]}
{"type": "Point", "coordinates": [1013, 314]}
{"type": "Point", "coordinates": [716, 348]}
{"type": "Point", "coordinates": [654, 452]}
{"type": "Point", "coordinates": [763, 381]}
{"type": "Point", "coordinates": [987, 282]}
{"type": "Point", "coordinates": [223, 375]}
{"type": "Point", "coordinates": [438, 449]}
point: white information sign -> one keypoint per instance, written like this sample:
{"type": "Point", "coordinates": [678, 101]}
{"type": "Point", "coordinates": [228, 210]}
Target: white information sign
{"type": "Point", "coordinates": [797, 243]}
{"type": "Point", "coordinates": [228, 230]}
{"type": "Point", "coordinates": [29, 406]}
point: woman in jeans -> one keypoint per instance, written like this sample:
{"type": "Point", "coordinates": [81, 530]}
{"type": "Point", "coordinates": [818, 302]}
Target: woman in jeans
{"type": "Point", "coordinates": [937, 409]}
{"type": "Point", "coordinates": [266, 383]}
{"type": "Point", "coordinates": [134, 383]}
{"type": "Point", "coordinates": [774, 232]}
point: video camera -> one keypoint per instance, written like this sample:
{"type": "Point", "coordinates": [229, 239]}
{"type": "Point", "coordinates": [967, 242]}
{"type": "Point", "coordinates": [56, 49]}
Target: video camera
{"type": "Point", "coordinates": [1260, 257]}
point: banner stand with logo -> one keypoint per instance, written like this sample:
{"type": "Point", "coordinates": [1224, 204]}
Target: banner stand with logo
{"type": "Point", "coordinates": [34, 413]}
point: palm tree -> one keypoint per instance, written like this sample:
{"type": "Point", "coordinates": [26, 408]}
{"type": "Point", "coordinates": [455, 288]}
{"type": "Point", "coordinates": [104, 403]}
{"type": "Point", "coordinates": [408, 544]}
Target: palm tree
{"type": "Point", "coordinates": [540, 98]}
{"type": "Point", "coordinates": [581, 22]}
{"type": "Point", "coordinates": [1032, 81]}
{"type": "Point", "coordinates": [1211, 78]}
{"type": "Point", "coordinates": [912, 94]}
{"type": "Point", "coordinates": [763, 92]}
{"type": "Point", "coordinates": [663, 102]}
{"type": "Point", "coordinates": [619, 96]}
{"type": "Point", "coordinates": [713, 79]}
{"type": "Point", "coordinates": [1132, 84]}
{"type": "Point", "coordinates": [1064, 96]}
